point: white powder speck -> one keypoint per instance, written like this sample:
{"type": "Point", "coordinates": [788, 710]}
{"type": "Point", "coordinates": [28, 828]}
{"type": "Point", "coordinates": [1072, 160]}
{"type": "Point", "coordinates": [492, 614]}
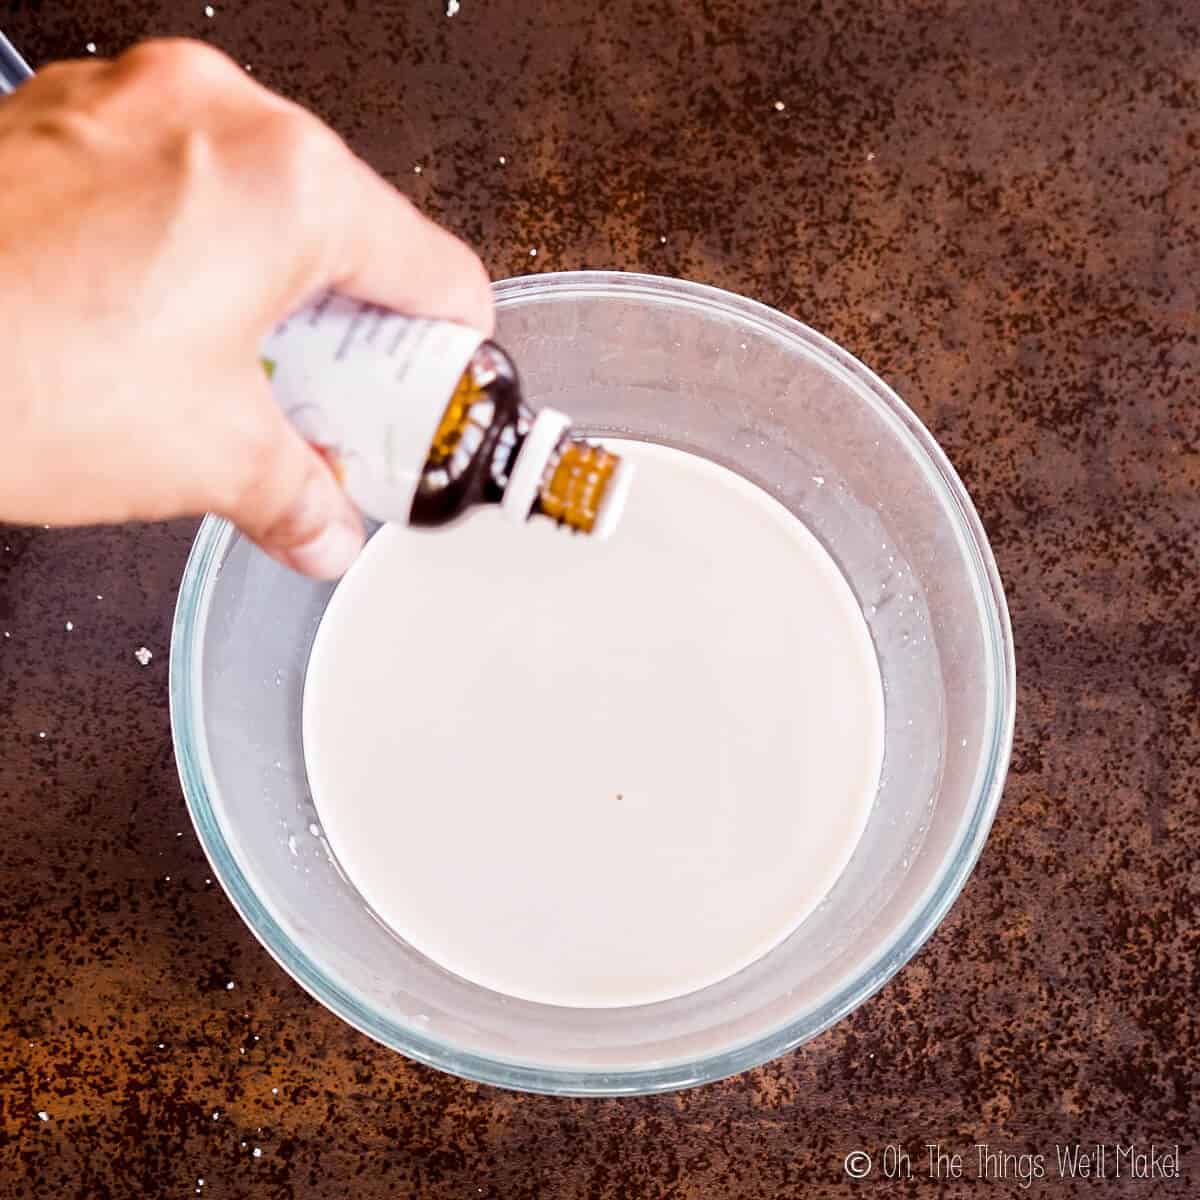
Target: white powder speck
{"type": "Point", "coordinates": [167, 878]}
{"type": "Point", "coordinates": [216, 1116]}
{"type": "Point", "coordinates": [533, 252]}
{"type": "Point", "coordinates": [819, 480]}
{"type": "Point", "coordinates": [241, 1049]}
{"type": "Point", "coordinates": [315, 829]}
{"type": "Point", "coordinates": [780, 106]}
{"type": "Point", "coordinates": [292, 844]}
{"type": "Point", "coordinates": [256, 1037]}
{"type": "Point", "coordinates": [179, 835]}
{"type": "Point", "coordinates": [209, 11]}
{"type": "Point", "coordinates": [200, 1182]}
{"type": "Point", "coordinates": [257, 1152]}
{"type": "Point", "coordinates": [418, 169]}
{"type": "Point", "coordinates": [43, 1115]}
{"type": "Point", "coordinates": [70, 626]}
{"type": "Point", "coordinates": [274, 1091]}
{"type": "Point", "coordinates": [871, 156]}
{"type": "Point", "coordinates": [208, 881]}
{"type": "Point", "coordinates": [452, 6]}
{"type": "Point", "coordinates": [663, 239]}
{"type": "Point", "coordinates": [41, 733]}
{"type": "Point", "coordinates": [230, 986]}
{"type": "Point", "coordinates": [503, 161]}
{"type": "Point", "coordinates": [90, 47]}
{"type": "Point", "coordinates": [99, 597]}
{"type": "Point", "coordinates": [143, 656]}
{"type": "Point", "coordinates": [161, 1046]}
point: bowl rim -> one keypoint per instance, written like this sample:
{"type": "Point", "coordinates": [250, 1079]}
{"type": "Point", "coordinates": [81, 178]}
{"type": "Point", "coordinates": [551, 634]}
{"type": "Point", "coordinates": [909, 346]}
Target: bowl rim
{"type": "Point", "coordinates": [198, 781]}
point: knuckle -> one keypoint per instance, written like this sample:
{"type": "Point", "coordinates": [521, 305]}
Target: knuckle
{"type": "Point", "coordinates": [176, 61]}
{"type": "Point", "coordinates": [297, 146]}
{"type": "Point", "coordinates": [301, 156]}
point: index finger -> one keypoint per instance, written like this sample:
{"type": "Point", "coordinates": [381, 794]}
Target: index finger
{"type": "Point", "coordinates": [383, 250]}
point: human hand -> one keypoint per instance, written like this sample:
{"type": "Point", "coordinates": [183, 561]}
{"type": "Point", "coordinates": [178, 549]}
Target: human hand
{"type": "Point", "coordinates": [160, 213]}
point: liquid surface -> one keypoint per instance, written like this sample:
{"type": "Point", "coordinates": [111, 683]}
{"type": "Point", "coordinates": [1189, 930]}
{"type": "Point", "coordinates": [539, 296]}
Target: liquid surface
{"type": "Point", "coordinates": [597, 774]}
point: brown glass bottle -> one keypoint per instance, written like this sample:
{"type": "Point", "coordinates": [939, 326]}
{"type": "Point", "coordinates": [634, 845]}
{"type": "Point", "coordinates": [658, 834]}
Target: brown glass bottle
{"type": "Point", "coordinates": [420, 420]}
{"type": "Point", "coordinates": [490, 441]}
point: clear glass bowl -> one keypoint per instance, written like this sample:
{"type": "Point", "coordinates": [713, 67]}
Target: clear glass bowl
{"type": "Point", "coordinates": [709, 372]}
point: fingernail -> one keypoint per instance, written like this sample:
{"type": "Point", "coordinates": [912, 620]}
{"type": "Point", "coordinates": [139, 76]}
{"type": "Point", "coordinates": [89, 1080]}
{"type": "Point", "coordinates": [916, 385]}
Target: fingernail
{"type": "Point", "coordinates": [329, 554]}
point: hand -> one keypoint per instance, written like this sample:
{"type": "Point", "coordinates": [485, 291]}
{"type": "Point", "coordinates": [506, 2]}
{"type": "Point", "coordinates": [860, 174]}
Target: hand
{"type": "Point", "coordinates": [159, 214]}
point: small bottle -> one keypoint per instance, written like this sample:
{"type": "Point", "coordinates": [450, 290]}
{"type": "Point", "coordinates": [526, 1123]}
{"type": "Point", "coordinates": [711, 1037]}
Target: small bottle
{"type": "Point", "coordinates": [419, 420]}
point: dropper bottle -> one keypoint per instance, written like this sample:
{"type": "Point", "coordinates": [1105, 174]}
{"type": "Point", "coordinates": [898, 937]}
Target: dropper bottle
{"type": "Point", "coordinates": [421, 420]}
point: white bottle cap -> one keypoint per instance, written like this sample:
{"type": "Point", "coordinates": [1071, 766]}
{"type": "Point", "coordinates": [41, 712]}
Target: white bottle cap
{"type": "Point", "coordinates": [525, 483]}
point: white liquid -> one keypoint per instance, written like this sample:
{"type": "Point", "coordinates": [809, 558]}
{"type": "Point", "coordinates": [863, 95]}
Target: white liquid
{"type": "Point", "coordinates": [597, 774]}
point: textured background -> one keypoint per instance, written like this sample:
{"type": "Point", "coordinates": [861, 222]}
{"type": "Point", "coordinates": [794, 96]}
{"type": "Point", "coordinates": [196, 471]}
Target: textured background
{"type": "Point", "coordinates": [996, 205]}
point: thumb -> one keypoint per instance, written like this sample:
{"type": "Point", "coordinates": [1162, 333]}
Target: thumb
{"type": "Point", "coordinates": [290, 504]}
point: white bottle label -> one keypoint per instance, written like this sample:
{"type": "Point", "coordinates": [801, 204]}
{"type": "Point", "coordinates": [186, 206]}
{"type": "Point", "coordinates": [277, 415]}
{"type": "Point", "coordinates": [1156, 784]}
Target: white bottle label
{"type": "Point", "coordinates": [368, 387]}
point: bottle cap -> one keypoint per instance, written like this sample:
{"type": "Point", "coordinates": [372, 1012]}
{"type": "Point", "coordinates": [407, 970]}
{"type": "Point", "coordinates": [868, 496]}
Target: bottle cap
{"type": "Point", "coordinates": [577, 483]}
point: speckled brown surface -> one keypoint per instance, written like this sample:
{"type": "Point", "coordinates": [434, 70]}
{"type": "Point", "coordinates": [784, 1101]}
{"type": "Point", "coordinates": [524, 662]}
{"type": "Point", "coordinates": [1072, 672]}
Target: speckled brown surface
{"type": "Point", "coordinates": [997, 206]}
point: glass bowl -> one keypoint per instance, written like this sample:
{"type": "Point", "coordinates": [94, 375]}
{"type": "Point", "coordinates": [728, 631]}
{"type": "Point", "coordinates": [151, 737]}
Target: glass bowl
{"type": "Point", "coordinates": [747, 387]}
